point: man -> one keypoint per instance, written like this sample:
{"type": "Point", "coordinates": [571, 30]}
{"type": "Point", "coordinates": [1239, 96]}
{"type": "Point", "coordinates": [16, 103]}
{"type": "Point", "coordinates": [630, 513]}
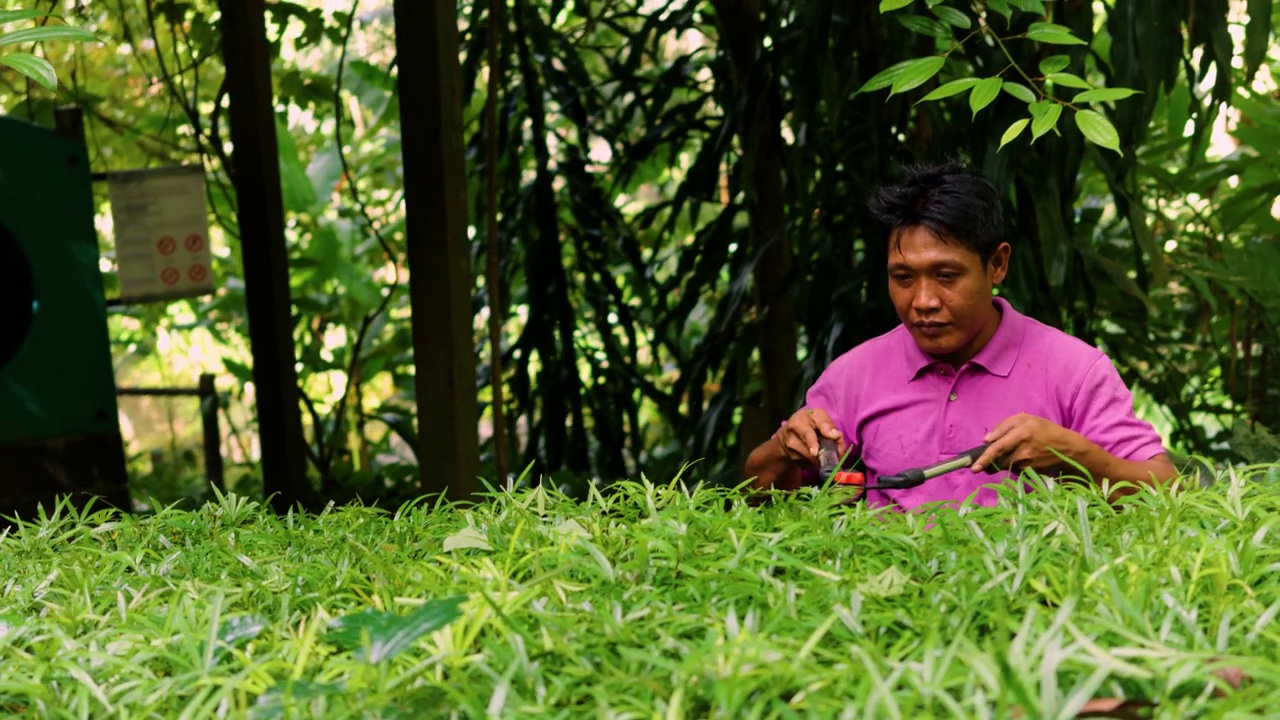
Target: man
{"type": "Point", "coordinates": [963, 369]}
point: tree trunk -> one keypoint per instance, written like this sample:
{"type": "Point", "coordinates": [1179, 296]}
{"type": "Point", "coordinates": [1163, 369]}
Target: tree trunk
{"type": "Point", "coordinates": [759, 130]}
{"type": "Point", "coordinates": [439, 261]}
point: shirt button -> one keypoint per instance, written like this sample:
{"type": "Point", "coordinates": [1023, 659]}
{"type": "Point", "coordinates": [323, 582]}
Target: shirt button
{"type": "Point", "coordinates": [952, 397]}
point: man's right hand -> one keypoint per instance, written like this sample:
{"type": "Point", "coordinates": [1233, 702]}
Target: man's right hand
{"type": "Point", "coordinates": [798, 436]}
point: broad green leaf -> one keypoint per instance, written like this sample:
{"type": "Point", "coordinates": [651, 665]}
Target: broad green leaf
{"type": "Point", "coordinates": [8, 16]}
{"type": "Point", "coordinates": [571, 527]}
{"type": "Point", "coordinates": [1104, 95]}
{"type": "Point", "coordinates": [917, 73]}
{"type": "Point", "coordinates": [376, 636]}
{"type": "Point", "coordinates": [1069, 80]}
{"type": "Point", "coordinates": [467, 537]}
{"type": "Point", "coordinates": [46, 33]}
{"type": "Point", "coordinates": [1098, 130]}
{"type": "Point", "coordinates": [955, 87]}
{"type": "Point", "coordinates": [983, 93]}
{"type": "Point", "coordinates": [1030, 6]}
{"type": "Point", "coordinates": [1052, 34]}
{"type": "Point", "coordinates": [884, 78]}
{"type": "Point", "coordinates": [1020, 91]}
{"type": "Point", "coordinates": [1054, 63]}
{"type": "Point", "coordinates": [952, 16]}
{"type": "Point", "coordinates": [1045, 118]}
{"type": "Point", "coordinates": [924, 26]}
{"type": "Point", "coordinates": [1013, 132]}
{"type": "Point", "coordinates": [1041, 26]}
{"type": "Point", "coordinates": [298, 193]}
{"type": "Point", "coordinates": [891, 5]}
{"type": "Point", "coordinates": [1000, 6]}
{"type": "Point", "coordinates": [36, 68]}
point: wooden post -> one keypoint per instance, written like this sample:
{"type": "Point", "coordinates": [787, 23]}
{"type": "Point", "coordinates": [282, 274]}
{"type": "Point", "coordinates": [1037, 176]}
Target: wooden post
{"type": "Point", "coordinates": [260, 213]}
{"type": "Point", "coordinates": [440, 279]}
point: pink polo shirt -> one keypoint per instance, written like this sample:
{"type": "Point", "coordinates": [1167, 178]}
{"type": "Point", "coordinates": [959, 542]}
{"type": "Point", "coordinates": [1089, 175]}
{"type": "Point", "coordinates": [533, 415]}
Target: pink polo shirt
{"type": "Point", "coordinates": [899, 408]}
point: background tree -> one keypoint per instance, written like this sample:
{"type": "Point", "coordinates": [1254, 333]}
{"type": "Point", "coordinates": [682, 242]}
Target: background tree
{"type": "Point", "coordinates": [680, 206]}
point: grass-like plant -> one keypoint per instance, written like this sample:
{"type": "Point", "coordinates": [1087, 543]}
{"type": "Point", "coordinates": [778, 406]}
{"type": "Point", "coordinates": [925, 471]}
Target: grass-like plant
{"type": "Point", "coordinates": [651, 601]}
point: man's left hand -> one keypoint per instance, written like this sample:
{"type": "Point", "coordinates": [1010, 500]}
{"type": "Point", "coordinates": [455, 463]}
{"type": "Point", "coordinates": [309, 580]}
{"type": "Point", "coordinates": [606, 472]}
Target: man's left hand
{"type": "Point", "coordinates": [1026, 441]}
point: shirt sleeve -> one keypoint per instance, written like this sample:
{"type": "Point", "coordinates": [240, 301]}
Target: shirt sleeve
{"type": "Point", "coordinates": [1103, 412]}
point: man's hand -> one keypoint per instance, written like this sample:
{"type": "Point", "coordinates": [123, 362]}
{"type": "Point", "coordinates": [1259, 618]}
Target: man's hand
{"type": "Point", "coordinates": [1026, 441]}
{"type": "Point", "coordinates": [798, 436]}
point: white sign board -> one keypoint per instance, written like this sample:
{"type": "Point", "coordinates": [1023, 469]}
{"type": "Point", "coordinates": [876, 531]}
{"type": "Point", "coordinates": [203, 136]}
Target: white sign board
{"type": "Point", "coordinates": [162, 233]}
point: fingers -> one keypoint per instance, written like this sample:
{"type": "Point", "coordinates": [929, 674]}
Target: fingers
{"type": "Point", "coordinates": [1003, 427]}
{"type": "Point", "coordinates": [988, 458]}
{"type": "Point", "coordinates": [799, 435]}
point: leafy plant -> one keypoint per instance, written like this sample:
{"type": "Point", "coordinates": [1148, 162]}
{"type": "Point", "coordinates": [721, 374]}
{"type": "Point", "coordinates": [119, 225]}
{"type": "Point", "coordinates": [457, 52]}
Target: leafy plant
{"type": "Point", "coordinates": [653, 600]}
{"type": "Point", "coordinates": [29, 64]}
{"type": "Point", "coordinates": [1040, 92]}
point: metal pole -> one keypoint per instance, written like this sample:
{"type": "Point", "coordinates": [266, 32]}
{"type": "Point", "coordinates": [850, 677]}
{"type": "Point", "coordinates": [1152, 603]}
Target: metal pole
{"type": "Point", "coordinates": [260, 213]}
{"type": "Point", "coordinates": [212, 433]}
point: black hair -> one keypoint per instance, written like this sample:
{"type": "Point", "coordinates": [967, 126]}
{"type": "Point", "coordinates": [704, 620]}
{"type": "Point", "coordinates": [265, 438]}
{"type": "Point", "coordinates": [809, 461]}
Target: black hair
{"type": "Point", "coordinates": [956, 204]}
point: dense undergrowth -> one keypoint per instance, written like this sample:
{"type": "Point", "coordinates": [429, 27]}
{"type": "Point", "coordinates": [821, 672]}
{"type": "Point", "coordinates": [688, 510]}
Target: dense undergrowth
{"type": "Point", "coordinates": [651, 601]}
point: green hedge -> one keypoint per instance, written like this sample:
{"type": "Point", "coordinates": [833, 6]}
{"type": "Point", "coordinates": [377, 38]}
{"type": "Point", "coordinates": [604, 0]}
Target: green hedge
{"type": "Point", "coordinates": [650, 601]}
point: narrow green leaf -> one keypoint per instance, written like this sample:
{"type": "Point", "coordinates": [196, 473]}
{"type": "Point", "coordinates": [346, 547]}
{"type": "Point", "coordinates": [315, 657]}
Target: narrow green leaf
{"type": "Point", "coordinates": [36, 68]}
{"type": "Point", "coordinates": [8, 16]}
{"type": "Point", "coordinates": [884, 78]}
{"type": "Point", "coordinates": [1069, 80]}
{"type": "Point", "coordinates": [891, 5]}
{"type": "Point", "coordinates": [1104, 95]}
{"type": "Point", "coordinates": [983, 93]}
{"type": "Point", "coordinates": [47, 33]}
{"type": "Point", "coordinates": [1098, 130]}
{"type": "Point", "coordinates": [1020, 91]}
{"type": "Point", "coordinates": [1054, 37]}
{"type": "Point", "coordinates": [924, 26]}
{"type": "Point", "coordinates": [1045, 120]}
{"type": "Point", "coordinates": [1256, 33]}
{"type": "Point", "coordinates": [955, 87]}
{"type": "Point", "coordinates": [1013, 132]}
{"type": "Point", "coordinates": [917, 73]}
{"type": "Point", "coordinates": [1054, 63]}
{"type": "Point", "coordinates": [952, 16]}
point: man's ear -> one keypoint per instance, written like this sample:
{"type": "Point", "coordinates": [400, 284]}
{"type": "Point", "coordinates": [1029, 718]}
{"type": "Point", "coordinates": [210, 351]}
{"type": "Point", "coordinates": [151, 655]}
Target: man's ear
{"type": "Point", "coordinates": [998, 265]}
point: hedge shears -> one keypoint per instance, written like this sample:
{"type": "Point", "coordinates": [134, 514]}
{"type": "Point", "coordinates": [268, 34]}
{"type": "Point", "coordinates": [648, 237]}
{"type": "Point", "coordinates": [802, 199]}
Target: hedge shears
{"type": "Point", "coordinates": [829, 465]}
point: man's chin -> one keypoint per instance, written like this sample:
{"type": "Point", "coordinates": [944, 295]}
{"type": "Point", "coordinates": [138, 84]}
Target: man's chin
{"type": "Point", "coordinates": [936, 346]}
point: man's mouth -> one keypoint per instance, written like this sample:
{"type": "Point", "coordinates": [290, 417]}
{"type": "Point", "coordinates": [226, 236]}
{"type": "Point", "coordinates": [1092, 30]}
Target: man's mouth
{"type": "Point", "coordinates": [930, 329]}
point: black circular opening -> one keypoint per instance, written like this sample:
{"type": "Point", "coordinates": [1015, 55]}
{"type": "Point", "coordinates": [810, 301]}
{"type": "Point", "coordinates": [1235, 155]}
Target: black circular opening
{"type": "Point", "coordinates": [17, 296]}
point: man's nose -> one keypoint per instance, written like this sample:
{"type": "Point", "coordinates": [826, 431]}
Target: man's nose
{"type": "Point", "coordinates": [925, 298]}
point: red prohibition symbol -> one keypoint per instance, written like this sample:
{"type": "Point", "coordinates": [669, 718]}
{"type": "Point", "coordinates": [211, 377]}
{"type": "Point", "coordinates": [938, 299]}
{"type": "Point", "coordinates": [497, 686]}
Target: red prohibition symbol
{"type": "Point", "coordinates": [166, 245]}
{"type": "Point", "coordinates": [197, 273]}
{"type": "Point", "coordinates": [170, 276]}
{"type": "Point", "coordinates": [194, 242]}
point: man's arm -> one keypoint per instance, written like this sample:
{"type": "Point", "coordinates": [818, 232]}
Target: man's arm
{"type": "Point", "coordinates": [769, 467]}
{"type": "Point", "coordinates": [1026, 441]}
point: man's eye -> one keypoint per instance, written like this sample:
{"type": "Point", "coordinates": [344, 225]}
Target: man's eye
{"type": "Point", "coordinates": [946, 276]}
{"type": "Point", "coordinates": [902, 278]}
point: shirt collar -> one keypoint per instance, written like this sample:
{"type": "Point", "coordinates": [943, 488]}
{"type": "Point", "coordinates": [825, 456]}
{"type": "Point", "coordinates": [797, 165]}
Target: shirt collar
{"type": "Point", "coordinates": [996, 357]}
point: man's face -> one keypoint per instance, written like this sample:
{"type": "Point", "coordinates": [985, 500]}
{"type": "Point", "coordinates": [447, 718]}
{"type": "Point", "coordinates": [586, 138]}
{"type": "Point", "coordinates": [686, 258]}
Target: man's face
{"type": "Point", "coordinates": [942, 292]}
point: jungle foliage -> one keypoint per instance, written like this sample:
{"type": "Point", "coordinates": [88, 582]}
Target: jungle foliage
{"type": "Point", "coordinates": [679, 190]}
